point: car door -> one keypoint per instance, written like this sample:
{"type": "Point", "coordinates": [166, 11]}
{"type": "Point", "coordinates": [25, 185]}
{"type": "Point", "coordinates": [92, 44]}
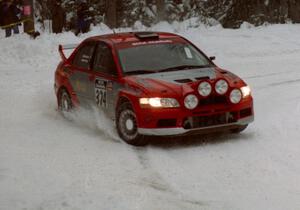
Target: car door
{"type": "Point", "coordinates": [105, 81]}
{"type": "Point", "coordinates": [82, 77]}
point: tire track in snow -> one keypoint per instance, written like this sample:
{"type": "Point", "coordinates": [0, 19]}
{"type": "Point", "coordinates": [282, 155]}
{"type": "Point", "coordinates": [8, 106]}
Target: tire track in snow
{"type": "Point", "coordinates": [265, 54]}
{"type": "Point", "coordinates": [282, 83]}
{"type": "Point", "coordinates": [3, 173]}
{"type": "Point", "coordinates": [152, 179]}
{"type": "Point", "coordinates": [270, 74]}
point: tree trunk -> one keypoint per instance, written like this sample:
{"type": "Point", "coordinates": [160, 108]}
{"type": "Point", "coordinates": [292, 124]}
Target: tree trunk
{"type": "Point", "coordinates": [111, 13]}
{"type": "Point", "coordinates": [160, 5]}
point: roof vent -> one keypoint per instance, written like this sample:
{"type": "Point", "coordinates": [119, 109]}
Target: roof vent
{"type": "Point", "coordinates": [146, 35]}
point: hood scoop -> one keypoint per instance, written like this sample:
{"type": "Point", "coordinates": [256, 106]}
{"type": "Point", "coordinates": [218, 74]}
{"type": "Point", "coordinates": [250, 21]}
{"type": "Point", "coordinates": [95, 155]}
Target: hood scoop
{"type": "Point", "coordinates": [183, 76]}
{"type": "Point", "coordinates": [202, 78]}
{"type": "Point", "coordinates": [183, 80]}
{"type": "Point", "coordinates": [190, 80]}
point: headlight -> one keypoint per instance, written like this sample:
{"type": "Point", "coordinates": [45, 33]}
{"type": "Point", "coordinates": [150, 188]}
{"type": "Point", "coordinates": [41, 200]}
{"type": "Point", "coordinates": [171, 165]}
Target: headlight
{"type": "Point", "coordinates": [221, 87]}
{"type": "Point", "coordinates": [246, 90]}
{"type": "Point", "coordinates": [235, 96]}
{"type": "Point", "coordinates": [159, 102]}
{"type": "Point", "coordinates": [191, 101]}
{"type": "Point", "coordinates": [204, 89]}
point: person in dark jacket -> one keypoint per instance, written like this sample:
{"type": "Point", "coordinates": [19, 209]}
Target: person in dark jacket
{"type": "Point", "coordinates": [1, 15]}
{"type": "Point", "coordinates": [83, 18]}
{"type": "Point", "coordinates": [10, 21]}
{"type": "Point", "coordinates": [58, 17]}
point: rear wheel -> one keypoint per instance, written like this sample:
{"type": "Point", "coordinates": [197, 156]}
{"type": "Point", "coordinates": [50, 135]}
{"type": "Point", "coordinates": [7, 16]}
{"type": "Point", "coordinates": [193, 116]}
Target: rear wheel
{"type": "Point", "coordinates": [65, 104]}
{"type": "Point", "coordinates": [239, 129]}
{"type": "Point", "coordinates": [127, 126]}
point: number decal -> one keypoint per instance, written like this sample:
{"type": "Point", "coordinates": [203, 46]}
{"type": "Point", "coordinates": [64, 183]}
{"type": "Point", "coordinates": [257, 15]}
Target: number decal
{"type": "Point", "coordinates": [101, 93]}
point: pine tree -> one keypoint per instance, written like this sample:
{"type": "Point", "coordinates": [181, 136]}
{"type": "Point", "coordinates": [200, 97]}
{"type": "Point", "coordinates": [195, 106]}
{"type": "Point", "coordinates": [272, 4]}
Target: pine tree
{"type": "Point", "coordinates": [230, 13]}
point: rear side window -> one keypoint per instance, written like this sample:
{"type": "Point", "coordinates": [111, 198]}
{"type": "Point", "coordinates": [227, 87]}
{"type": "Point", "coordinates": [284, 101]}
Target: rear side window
{"type": "Point", "coordinates": [84, 55]}
{"type": "Point", "coordinates": [103, 61]}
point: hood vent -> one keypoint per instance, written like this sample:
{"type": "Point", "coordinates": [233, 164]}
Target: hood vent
{"type": "Point", "coordinates": [183, 80]}
{"type": "Point", "coordinates": [202, 78]}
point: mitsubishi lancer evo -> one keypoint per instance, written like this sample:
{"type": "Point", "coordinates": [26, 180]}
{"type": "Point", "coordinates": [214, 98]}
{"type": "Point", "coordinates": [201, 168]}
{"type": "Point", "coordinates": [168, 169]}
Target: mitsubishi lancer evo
{"type": "Point", "coordinates": [152, 84]}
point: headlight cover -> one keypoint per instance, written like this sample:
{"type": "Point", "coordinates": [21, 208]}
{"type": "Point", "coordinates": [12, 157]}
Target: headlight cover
{"type": "Point", "coordinates": [204, 89]}
{"type": "Point", "coordinates": [221, 87]}
{"type": "Point", "coordinates": [235, 96]}
{"type": "Point", "coordinates": [159, 102]}
{"type": "Point", "coordinates": [246, 90]}
{"type": "Point", "coordinates": [191, 101]}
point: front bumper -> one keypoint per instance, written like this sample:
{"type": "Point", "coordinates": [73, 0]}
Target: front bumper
{"type": "Point", "coordinates": [182, 131]}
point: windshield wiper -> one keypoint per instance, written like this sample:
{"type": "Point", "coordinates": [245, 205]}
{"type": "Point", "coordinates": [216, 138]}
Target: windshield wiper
{"type": "Point", "coordinates": [140, 72]}
{"type": "Point", "coordinates": [183, 67]}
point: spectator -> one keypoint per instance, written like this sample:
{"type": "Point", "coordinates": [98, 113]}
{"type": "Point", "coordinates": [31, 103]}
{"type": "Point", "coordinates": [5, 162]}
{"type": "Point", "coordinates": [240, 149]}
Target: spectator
{"type": "Point", "coordinates": [10, 17]}
{"type": "Point", "coordinates": [83, 18]}
{"type": "Point", "coordinates": [58, 17]}
{"type": "Point", "coordinates": [1, 15]}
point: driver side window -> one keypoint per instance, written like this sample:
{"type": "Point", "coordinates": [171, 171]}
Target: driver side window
{"type": "Point", "coordinates": [103, 61]}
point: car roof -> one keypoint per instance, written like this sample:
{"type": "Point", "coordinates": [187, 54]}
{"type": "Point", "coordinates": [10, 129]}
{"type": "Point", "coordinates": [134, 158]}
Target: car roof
{"type": "Point", "coordinates": [116, 38]}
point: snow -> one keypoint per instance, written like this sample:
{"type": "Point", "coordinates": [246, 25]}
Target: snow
{"type": "Point", "coordinates": [47, 162]}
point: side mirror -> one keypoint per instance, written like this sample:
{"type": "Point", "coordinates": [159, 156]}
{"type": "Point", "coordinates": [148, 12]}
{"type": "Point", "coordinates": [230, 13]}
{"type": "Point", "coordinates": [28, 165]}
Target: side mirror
{"type": "Point", "coordinates": [212, 58]}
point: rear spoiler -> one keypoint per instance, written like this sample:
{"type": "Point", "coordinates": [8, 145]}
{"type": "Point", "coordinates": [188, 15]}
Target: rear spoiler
{"type": "Point", "coordinates": [61, 49]}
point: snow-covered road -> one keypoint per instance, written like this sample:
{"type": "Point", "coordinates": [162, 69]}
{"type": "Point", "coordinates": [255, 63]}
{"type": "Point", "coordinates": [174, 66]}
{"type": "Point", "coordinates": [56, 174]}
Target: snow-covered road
{"type": "Point", "coordinates": [48, 163]}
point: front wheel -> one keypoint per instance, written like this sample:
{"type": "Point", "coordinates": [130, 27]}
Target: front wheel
{"type": "Point", "coordinates": [127, 126]}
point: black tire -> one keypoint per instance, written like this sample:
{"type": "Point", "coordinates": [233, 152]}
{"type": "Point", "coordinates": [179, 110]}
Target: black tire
{"type": "Point", "coordinates": [239, 129]}
{"type": "Point", "coordinates": [65, 104]}
{"type": "Point", "coordinates": [126, 124]}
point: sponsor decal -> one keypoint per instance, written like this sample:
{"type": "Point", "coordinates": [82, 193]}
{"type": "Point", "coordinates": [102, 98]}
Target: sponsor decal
{"type": "Point", "coordinates": [109, 86]}
{"type": "Point", "coordinates": [188, 53]}
{"type": "Point", "coordinates": [80, 87]}
{"type": "Point", "coordinates": [85, 58]}
{"type": "Point", "coordinates": [152, 42]}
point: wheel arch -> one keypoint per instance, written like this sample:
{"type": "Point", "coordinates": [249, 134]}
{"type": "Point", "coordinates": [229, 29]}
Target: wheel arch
{"type": "Point", "coordinates": [72, 96]}
{"type": "Point", "coordinates": [121, 100]}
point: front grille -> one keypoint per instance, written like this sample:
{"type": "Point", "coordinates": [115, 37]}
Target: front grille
{"type": "Point", "coordinates": [166, 123]}
{"type": "Point", "coordinates": [213, 99]}
{"type": "Point", "coordinates": [211, 120]}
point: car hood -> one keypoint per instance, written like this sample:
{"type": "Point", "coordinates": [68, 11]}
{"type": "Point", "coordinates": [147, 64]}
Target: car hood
{"type": "Point", "coordinates": [176, 83]}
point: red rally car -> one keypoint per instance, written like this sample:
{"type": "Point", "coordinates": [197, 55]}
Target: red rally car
{"type": "Point", "coordinates": [152, 84]}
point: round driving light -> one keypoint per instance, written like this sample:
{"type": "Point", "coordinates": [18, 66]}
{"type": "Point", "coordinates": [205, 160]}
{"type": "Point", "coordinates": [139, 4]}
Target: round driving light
{"type": "Point", "coordinates": [191, 101]}
{"type": "Point", "coordinates": [204, 89]}
{"type": "Point", "coordinates": [221, 87]}
{"type": "Point", "coordinates": [235, 96]}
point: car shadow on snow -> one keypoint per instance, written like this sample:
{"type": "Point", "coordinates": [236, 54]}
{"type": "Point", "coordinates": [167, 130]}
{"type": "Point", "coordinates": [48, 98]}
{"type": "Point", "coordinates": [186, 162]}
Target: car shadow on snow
{"type": "Point", "coordinates": [199, 140]}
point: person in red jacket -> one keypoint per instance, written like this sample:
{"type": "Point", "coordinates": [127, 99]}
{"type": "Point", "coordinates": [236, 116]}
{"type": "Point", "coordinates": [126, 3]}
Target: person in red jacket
{"type": "Point", "coordinates": [10, 19]}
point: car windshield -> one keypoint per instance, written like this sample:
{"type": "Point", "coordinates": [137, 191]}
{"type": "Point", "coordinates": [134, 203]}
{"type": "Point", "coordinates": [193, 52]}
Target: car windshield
{"type": "Point", "coordinates": [161, 57]}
